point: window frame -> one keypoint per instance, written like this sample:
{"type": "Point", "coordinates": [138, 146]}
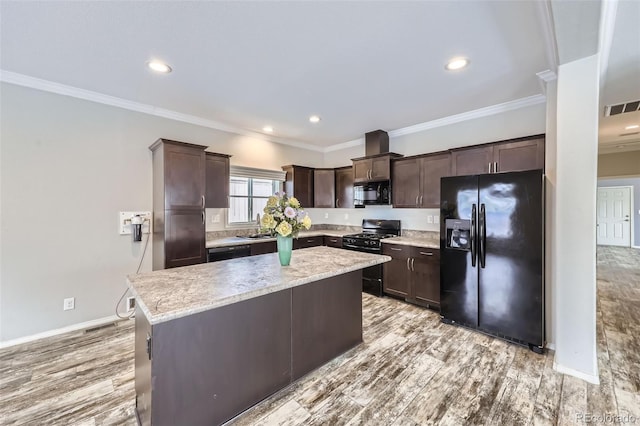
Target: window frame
{"type": "Point", "coordinates": [276, 186]}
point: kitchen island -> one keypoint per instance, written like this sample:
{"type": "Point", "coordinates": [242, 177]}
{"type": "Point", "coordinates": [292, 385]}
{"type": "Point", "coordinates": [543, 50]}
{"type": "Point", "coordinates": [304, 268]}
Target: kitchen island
{"type": "Point", "coordinates": [215, 339]}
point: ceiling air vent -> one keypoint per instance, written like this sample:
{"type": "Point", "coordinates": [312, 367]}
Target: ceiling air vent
{"type": "Point", "coordinates": [621, 108]}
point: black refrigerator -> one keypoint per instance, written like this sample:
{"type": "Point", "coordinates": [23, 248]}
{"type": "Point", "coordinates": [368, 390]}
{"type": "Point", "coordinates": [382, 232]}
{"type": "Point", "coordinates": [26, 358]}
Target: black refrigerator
{"type": "Point", "coordinates": [492, 254]}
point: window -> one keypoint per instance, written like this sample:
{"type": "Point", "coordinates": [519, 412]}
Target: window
{"type": "Point", "coordinates": [248, 197]}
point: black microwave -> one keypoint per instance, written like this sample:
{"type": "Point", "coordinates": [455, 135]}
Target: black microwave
{"type": "Point", "coordinates": [372, 193]}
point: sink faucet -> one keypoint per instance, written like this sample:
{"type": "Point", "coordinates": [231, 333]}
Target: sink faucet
{"type": "Point", "coordinates": [258, 220]}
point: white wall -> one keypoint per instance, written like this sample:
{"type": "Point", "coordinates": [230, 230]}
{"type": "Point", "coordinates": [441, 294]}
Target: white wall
{"type": "Point", "coordinates": [67, 168]}
{"type": "Point", "coordinates": [410, 218]}
{"type": "Point", "coordinates": [575, 218]}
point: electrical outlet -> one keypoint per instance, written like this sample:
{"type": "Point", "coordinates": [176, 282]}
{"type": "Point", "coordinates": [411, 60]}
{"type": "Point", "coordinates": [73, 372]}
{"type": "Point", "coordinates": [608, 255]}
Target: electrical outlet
{"type": "Point", "coordinates": [124, 222]}
{"type": "Point", "coordinates": [429, 219]}
{"type": "Point", "coordinates": [69, 303]}
{"type": "Point", "coordinates": [131, 303]}
{"type": "Point", "coordinates": [436, 219]}
{"type": "Point", "coordinates": [346, 216]}
{"type": "Point", "coordinates": [215, 218]}
{"type": "Point", "coordinates": [326, 215]}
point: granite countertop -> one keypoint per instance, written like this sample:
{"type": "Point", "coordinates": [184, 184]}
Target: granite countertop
{"type": "Point", "coordinates": [234, 241]}
{"type": "Point", "coordinates": [173, 293]}
{"type": "Point", "coordinates": [413, 241]}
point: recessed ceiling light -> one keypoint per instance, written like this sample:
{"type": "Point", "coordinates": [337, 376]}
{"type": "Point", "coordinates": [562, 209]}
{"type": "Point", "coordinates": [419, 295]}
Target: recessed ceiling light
{"type": "Point", "coordinates": [633, 126]}
{"type": "Point", "coordinates": [456, 64]}
{"type": "Point", "coordinates": [267, 129]}
{"type": "Point", "coordinates": [314, 119]}
{"type": "Point", "coordinates": [158, 66]}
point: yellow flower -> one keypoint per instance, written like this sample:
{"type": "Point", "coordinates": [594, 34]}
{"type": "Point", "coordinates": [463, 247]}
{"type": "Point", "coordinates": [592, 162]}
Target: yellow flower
{"type": "Point", "coordinates": [293, 202]}
{"type": "Point", "coordinates": [306, 222]}
{"type": "Point", "coordinates": [268, 221]}
{"type": "Point", "coordinates": [272, 201]}
{"type": "Point", "coordinates": [284, 229]}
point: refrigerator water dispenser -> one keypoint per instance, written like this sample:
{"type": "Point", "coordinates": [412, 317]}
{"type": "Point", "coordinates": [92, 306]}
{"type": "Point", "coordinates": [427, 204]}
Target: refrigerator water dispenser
{"type": "Point", "coordinates": [458, 234]}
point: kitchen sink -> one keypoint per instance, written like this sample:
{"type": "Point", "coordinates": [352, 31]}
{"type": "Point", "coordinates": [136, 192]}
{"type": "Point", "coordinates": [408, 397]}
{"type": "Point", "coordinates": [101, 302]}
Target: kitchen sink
{"type": "Point", "coordinates": [255, 236]}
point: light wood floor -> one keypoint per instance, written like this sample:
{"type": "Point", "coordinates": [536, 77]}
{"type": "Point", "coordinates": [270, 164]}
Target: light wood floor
{"type": "Point", "coordinates": [410, 370]}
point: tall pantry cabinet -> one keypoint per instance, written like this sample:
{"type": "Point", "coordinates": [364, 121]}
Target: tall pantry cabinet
{"type": "Point", "coordinates": [178, 204]}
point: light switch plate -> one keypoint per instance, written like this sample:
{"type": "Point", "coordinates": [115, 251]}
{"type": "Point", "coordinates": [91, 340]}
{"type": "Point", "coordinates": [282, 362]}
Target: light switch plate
{"type": "Point", "coordinates": [436, 219]}
{"type": "Point", "coordinates": [429, 219]}
{"type": "Point", "coordinates": [124, 222]}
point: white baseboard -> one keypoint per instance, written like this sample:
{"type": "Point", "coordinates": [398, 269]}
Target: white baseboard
{"type": "Point", "coordinates": [637, 247]}
{"type": "Point", "coordinates": [75, 327]}
{"type": "Point", "coordinates": [575, 373]}
{"type": "Point", "coordinates": [551, 346]}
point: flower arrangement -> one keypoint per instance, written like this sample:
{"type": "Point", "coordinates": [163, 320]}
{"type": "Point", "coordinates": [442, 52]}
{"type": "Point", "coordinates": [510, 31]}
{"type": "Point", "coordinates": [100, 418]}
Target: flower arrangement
{"type": "Point", "coordinates": [284, 215]}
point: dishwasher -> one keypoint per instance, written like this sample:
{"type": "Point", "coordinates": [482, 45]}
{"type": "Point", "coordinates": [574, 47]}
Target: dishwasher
{"type": "Point", "coordinates": [216, 254]}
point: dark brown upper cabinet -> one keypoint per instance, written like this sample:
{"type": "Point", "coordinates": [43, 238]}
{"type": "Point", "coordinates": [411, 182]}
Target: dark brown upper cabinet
{"type": "Point", "coordinates": [324, 191]}
{"type": "Point", "coordinates": [178, 204]}
{"type": "Point", "coordinates": [506, 156]}
{"type": "Point", "coordinates": [217, 180]}
{"type": "Point", "coordinates": [472, 161]}
{"type": "Point", "coordinates": [416, 180]}
{"type": "Point", "coordinates": [299, 183]}
{"type": "Point", "coordinates": [518, 155]}
{"type": "Point", "coordinates": [373, 169]}
{"type": "Point", "coordinates": [344, 187]}
{"type": "Point", "coordinates": [182, 171]}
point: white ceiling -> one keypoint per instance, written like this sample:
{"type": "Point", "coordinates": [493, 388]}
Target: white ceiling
{"type": "Point", "coordinates": [359, 65]}
{"type": "Point", "coordinates": [622, 80]}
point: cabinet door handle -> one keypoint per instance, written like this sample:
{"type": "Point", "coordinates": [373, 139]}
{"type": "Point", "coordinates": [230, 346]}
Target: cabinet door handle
{"type": "Point", "coordinates": [334, 241]}
{"type": "Point", "coordinates": [337, 202]}
{"type": "Point", "coordinates": [309, 241]}
{"type": "Point", "coordinates": [426, 254]}
{"type": "Point", "coordinates": [395, 249]}
{"type": "Point", "coordinates": [495, 167]}
{"type": "Point", "coordinates": [412, 262]}
{"type": "Point", "coordinates": [203, 201]}
{"type": "Point", "coordinates": [203, 222]}
{"type": "Point", "coordinates": [489, 167]}
{"type": "Point", "coordinates": [408, 259]}
{"type": "Point", "coordinates": [417, 196]}
{"type": "Point", "coordinates": [421, 200]}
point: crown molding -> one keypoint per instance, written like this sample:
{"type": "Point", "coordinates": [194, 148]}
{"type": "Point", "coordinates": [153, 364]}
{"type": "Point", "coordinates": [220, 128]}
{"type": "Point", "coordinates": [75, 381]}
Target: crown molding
{"type": "Point", "coordinates": [345, 145]}
{"type": "Point", "coordinates": [545, 77]}
{"type": "Point", "coordinates": [452, 119]}
{"type": "Point", "coordinates": [62, 89]}
{"type": "Point", "coordinates": [101, 98]}
{"type": "Point", "coordinates": [608, 12]}
{"type": "Point", "coordinates": [471, 115]}
{"type": "Point", "coordinates": [545, 16]}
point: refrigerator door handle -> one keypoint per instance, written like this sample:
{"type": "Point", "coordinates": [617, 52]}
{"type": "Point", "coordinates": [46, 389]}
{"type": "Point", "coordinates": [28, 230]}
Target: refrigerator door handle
{"type": "Point", "coordinates": [473, 235]}
{"type": "Point", "coordinates": [482, 237]}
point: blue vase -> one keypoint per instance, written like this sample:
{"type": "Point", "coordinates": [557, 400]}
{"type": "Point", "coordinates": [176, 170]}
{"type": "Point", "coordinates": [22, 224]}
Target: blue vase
{"type": "Point", "coordinates": [285, 245]}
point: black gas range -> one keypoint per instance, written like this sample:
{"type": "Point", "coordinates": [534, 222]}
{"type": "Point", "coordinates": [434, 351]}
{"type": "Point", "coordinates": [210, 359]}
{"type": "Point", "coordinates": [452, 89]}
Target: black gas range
{"type": "Point", "coordinates": [373, 231]}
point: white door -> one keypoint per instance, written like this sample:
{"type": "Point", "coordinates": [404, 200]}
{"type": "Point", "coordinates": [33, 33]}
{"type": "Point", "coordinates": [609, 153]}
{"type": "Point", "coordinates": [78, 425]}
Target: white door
{"type": "Point", "coordinates": [614, 216]}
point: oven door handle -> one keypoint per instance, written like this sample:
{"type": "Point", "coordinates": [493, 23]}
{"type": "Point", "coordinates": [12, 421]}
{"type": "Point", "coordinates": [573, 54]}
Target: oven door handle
{"type": "Point", "coordinates": [350, 247]}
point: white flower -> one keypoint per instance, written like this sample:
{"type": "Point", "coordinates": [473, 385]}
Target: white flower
{"type": "Point", "coordinates": [290, 212]}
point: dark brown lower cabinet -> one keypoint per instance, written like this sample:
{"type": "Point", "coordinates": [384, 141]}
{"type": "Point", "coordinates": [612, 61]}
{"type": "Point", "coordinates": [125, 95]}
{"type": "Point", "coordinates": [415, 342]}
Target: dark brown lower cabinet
{"type": "Point", "coordinates": [306, 242]}
{"type": "Point", "coordinates": [333, 241]}
{"type": "Point", "coordinates": [208, 367]}
{"type": "Point", "coordinates": [395, 274]}
{"type": "Point", "coordinates": [413, 274]}
{"type": "Point", "coordinates": [425, 268]}
{"type": "Point", "coordinates": [264, 248]}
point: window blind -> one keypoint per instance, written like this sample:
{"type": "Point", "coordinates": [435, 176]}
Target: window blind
{"type": "Point", "coordinates": [250, 172]}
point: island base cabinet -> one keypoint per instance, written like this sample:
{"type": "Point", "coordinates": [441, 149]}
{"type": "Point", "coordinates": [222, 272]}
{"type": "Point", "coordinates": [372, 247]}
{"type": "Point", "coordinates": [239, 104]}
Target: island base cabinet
{"type": "Point", "coordinates": [206, 368]}
{"type": "Point", "coordinates": [326, 320]}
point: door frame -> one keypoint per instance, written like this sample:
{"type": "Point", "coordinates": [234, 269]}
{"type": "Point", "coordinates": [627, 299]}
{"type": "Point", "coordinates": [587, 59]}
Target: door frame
{"type": "Point", "coordinates": [632, 238]}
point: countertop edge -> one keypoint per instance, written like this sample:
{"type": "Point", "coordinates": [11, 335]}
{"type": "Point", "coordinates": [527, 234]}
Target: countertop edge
{"type": "Point", "coordinates": [157, 319]}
